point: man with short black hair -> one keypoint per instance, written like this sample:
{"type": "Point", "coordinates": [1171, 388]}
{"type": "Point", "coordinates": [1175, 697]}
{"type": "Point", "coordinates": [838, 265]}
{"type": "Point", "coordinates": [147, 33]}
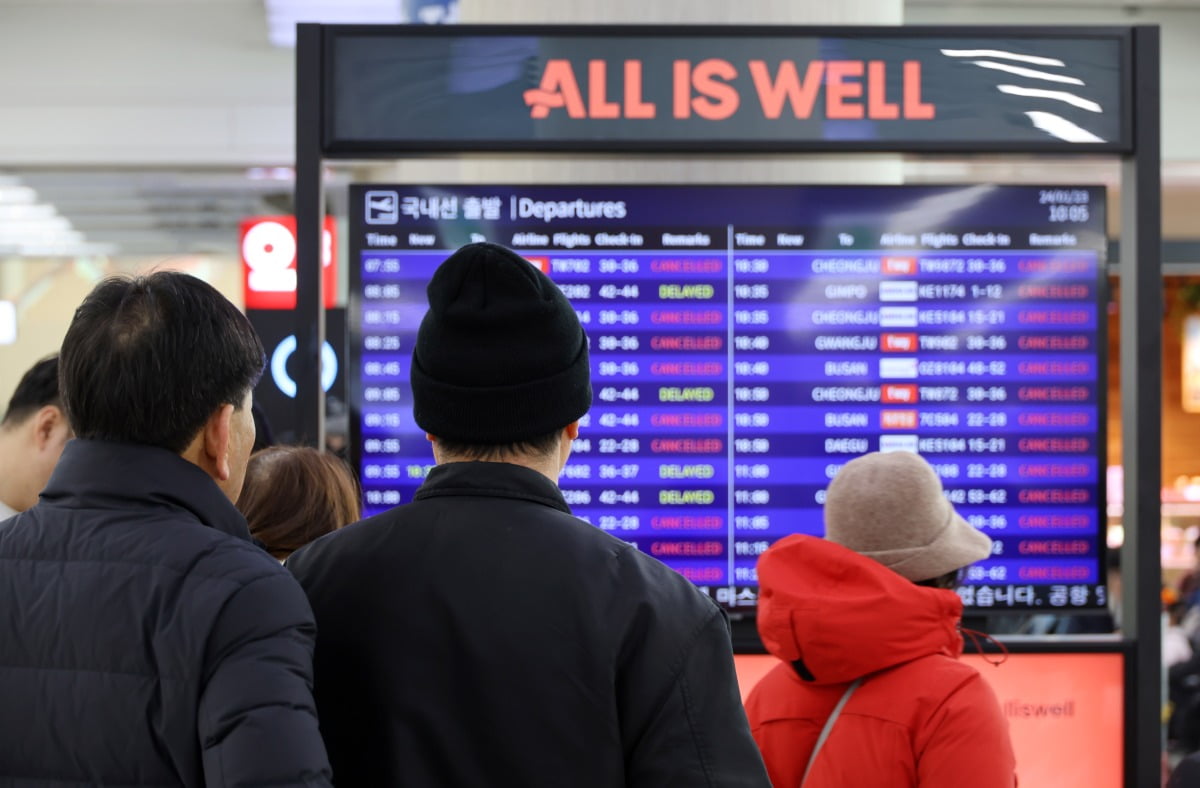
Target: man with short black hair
{"type": "Point", "coordinates": [481, 635]}
{"type": "Point", "coordinates": [32, 435]}
{"type": "Point", "coordinates": [144, 639]}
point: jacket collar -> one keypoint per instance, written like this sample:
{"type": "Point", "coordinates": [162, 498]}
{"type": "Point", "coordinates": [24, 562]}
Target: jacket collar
{"type": "Point", "coordinates": [492, 480]}
{"type": "Point", "coordinates": [133, 477]}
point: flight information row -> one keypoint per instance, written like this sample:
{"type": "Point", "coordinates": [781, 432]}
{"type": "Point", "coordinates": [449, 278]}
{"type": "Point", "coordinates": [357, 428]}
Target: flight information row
{"type": "Point", "coordinates": [823, 290]}
{"type": "Point", "coordinates": [404, 317]}
{"type": "Point", "coordinates": [1082, 569]}
{"type": "Point", "coordinates": [787, 422]}
{"type": "Point", "coordinates": [685, 396]}
{"type": "Point", "coordinates": [927, 344]}
{"type": "Point", "coordinates": [815, 368]}
{"type": "Point", "coordinates": [686, 469]}
{"type": "Point", "coordinates": [1047, 267]}
{"type": "Point", "coordinates": [782, 446]}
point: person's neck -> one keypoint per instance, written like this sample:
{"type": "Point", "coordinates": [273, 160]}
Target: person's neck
{"type": "Point", "coordinates": [12, 480]}
{"type": "Point", "coordinates": [545, 466]}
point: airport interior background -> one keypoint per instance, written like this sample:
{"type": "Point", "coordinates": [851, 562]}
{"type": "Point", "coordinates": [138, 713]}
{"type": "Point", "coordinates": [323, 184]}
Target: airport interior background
{"type": "Point", "coordinates": [141, 134]}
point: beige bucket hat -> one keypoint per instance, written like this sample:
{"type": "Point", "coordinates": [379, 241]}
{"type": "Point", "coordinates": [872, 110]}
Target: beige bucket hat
{"type": "Point", "coordinates": [891, 507]}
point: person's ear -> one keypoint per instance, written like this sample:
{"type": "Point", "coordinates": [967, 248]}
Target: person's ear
{"type": "Point", "coordinates": [437, 454]}
{"type": "Point", "coordinates": [49, 427]}
{"type": "Point", "coordinates": [216, 433]}
{"type": "Point", "coordinates": [569, 434]}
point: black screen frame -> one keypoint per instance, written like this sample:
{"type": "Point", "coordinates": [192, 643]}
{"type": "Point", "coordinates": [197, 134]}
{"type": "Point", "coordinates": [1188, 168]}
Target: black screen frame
{"type": "Point", "coordinates": [335, 148]}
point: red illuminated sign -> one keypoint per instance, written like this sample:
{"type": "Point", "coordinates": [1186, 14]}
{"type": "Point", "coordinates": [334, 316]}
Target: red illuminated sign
{"type": "Point", "coordinates": [898, 393]}
{"type": "Point", "coordinates": [268, 246]}
{"type": "Point", "coordinates": [854, 89]}
{"type": "Point", "coordinates": [898, 343]}
{"type": "Point", "coordinates": [899, 265]}
{"type": "Point", "coordinates": [543, 263]}
{"type": "Point", "coordinates": [897, 419]}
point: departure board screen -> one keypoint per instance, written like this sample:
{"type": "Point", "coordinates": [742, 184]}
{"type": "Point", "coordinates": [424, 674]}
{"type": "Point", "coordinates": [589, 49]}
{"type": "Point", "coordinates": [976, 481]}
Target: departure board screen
{"type": "Point", "coordinates": [748, 341]}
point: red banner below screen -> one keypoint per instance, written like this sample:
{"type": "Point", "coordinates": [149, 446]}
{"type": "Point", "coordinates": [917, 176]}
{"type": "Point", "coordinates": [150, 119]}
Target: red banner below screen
{"type": "Point", "coordinates": [1065, 712]}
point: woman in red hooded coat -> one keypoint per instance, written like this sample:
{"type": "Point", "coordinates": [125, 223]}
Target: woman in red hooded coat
{"type": "Point", "coordinates": [871, 603]}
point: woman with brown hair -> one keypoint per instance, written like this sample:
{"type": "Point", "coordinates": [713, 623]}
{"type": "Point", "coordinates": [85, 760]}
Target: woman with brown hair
{"type": "Point", "coordinates": [295, 494]}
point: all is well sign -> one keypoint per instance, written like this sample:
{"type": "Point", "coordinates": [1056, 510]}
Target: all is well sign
{"type": "Point", "coordinates": [626, 88]}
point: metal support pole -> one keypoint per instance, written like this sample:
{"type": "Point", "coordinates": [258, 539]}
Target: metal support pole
{"type": "Point", "coordinates": [310, 210]}
{"type": "Point", "coordinates": [1141, 310]}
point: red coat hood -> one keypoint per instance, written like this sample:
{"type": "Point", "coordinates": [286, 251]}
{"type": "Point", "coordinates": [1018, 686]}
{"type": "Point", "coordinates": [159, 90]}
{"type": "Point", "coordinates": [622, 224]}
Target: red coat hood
{"type": "Point", "coordinates": [845, 615]}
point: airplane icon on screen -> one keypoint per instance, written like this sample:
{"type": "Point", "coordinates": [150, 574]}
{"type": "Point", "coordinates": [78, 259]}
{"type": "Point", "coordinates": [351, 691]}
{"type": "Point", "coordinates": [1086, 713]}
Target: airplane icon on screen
{"type": "Point", "coordinates": [383, 207]}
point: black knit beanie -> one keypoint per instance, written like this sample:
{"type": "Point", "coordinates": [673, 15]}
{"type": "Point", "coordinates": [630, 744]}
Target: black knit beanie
{"type": "Point", "coordinates": [500, 355]}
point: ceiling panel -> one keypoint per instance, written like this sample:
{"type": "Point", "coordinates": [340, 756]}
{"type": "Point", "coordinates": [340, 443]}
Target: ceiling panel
{"type": "Point", "coordinates": [157, 212]}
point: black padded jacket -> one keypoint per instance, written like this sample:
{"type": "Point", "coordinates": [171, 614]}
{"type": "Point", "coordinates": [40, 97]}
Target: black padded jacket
{"type": "Point", "coordinates": [483, 636]}
{"type": "Point", "coordinates": [144, 640]}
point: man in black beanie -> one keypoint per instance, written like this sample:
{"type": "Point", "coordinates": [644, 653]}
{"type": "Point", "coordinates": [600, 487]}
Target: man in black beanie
{"type": "Point", "coordinates": [483, 636]}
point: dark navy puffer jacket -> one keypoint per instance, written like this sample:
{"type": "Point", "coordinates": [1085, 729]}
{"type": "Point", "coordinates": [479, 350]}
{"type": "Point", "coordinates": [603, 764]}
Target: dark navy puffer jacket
{"type": "Point", "coordinates": [144, 640]}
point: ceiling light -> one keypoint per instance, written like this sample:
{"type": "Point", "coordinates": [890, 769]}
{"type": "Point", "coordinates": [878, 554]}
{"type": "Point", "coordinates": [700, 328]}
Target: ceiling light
{"type": "Point", "coordinates": [24, 212]}
{"type": "Point", "coordinates": [17, 194]}
{"type": "Point", "coordinates": [52, 225]}
{"type": "Point", "coordinates": [60, 249]}
{"type": "Point", "coordinates": [8, 323]}
{"type": "Point", "coordinates": [32, 228]}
